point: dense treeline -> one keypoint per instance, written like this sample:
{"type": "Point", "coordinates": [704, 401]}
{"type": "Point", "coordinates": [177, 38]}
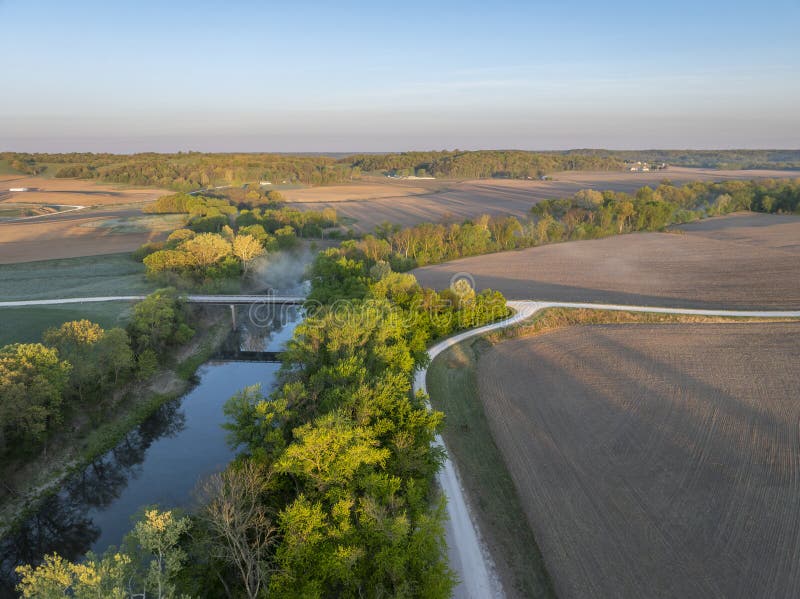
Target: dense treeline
{"type": "Point", "coordinates": [333, 494]}
{"type": "Point", "coordinates": [194, 170]}
{"type": "Point", "coordinates": [221, 241]}
{"type": "Point", "coordinates": [512, 164]}
{"type": "Point", "coordinates": [588, 214]}
{"type": "Point", "coordinates": [188, 171]}
{"type": "Point", "coordinates": [78, 367]}
{"type": "Point", "coordinates": [344, 447]}
{"type": "Point", "coordinates": [722, 159]}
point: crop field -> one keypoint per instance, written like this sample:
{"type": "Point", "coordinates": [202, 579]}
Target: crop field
{"type": "Point", "coordinates": [409, 202]}
{"type": "Point", "coordinates": [72, 191]}
{"type": "Point", "coordinates": [655, 459]}
{"type": "Point", "coordinates": [738, 261]}
{"type": "Point", "coordinates": [81, 233]}
{"type": "Point", "coordinates": [111, 221]}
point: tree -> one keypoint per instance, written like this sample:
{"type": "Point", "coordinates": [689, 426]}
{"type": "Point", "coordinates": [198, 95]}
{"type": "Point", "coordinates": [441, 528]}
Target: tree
{"type": "Point", "coordinates": [146, 364]}
{"type": "Point", "coordinates": [157, 322]}
{"type": "Point", "coordinates": [589, 199]}
{"type": "Point", "coordinates": [255, 230]}
{"type": "Point", "coordinates": [207, 248]}
{"type": "Point", "coordinates": [242, 530]}
{"type": "Point", "coordinates": [57, 578]}
{"type": "Point", "coordinates": [247, 248]}
{"type": "Point", "coordinates": [178, 236]}
{"type": "Point", "coordinates": [255, 421]}
{"type": "Point", "coordinates": [116, 356]}
{"type": "Point", "coordinates": [157, 536]}
{"type": "Point", "coordinates": [32, 381]}
{"type": "Point", "coordinates": [625, 210]}
{"type": "Point", "coordinates": [286, 238]}
{"type": "Point", "coordinates": [146, 569]}
{"type": "Point", "coordinates": [329, 452]}
{"type": "Point", "coordinates": [78, 341]}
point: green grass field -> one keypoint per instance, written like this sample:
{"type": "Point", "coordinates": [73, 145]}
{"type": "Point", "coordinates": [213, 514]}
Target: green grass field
{"type": "Point", "coordinates": [112, 274]}
{"type": "Point", "coordinates": [109, 274]}
{"type": "Point", "coordinates": [453, 389]}
{"type": "Point", "coordinates": [26, 325]}
{"type": "Point", "coordinates": [158, 223]}
{"type": "Point", "coordinates": [5, 168]}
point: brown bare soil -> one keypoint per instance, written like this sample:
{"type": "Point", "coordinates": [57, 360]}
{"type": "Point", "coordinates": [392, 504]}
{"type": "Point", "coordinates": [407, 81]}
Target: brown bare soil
{"type": "Point", "coordinates": [655, 460]}
{"type": "Point", "coordinates": [345, 193]}
{"type": "Point", "coordinates": [739, 261]}
{"type": "Point", "coordinates": [84, 232]}
{"type": "Point", "coordinates": [76, 192]}
{"type": "Point", "coordinates": [71, 235]}
{"type": "Point", "coordinates": [409, 202]}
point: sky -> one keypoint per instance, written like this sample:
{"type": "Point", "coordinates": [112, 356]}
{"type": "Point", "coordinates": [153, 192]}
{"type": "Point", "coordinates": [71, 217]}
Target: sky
{"type": "Point", "coordinates": [345, 76]}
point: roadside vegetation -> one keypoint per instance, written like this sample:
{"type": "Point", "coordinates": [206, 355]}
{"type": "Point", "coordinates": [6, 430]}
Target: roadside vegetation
{"type": "Point", "coordinates": [589, 214]}
{"type": "Point", "coordinates": [453, 387]}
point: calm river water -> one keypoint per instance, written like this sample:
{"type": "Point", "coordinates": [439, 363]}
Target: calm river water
{"type": "Point", "coordinates": [160, 462]}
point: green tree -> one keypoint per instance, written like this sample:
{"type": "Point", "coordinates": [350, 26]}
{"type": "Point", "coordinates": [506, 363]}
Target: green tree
{"type": "Point", "coordinates": [158, 322]}
{"type": "Point", "coordinates": [32, 382]}
{"type": "Point", "coordinates": [157, 537]}
{"type": "Point", "coordinates": [330, 451]}
{"type": "Point", "coordinates": [115, 355]}
{"type": "Point", "coordinates": [79, 342]}
{"type": "Point", "coordinates": [57, 578]}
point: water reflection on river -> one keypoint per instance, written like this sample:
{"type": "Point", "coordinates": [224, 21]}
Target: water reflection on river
{"type": "Point", "coordinates": [160, 462]}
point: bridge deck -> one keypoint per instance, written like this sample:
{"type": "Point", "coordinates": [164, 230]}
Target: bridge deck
{"type": "Point", "coordinates": [192, 299]}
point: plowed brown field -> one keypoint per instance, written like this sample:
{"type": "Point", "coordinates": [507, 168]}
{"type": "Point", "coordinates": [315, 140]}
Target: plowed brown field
{"type": "Point", "coordinates": [409, 202]}
{"type": "Point", "coordinates": [83, 232]}
{"type": "Point", "coordinates": [655, 460]}
{"type": "Point", "coordinates": [739, 261]}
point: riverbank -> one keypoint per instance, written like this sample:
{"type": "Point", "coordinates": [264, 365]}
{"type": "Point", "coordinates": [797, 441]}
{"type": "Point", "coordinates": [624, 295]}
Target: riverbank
{"type": "Point", "coordinates": [27, 484]}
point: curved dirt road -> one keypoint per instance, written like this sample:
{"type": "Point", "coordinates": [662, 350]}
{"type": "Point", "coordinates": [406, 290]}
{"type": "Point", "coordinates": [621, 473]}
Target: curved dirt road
{"type": "Point", "coordinates": [468, 557]}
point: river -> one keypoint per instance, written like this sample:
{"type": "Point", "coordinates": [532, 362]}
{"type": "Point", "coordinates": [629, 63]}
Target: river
{"type": "Point", "coordinates": [159, 463]}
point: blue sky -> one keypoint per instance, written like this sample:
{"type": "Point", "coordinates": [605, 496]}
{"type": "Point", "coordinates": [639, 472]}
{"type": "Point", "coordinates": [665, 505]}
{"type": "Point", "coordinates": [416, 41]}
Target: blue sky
{"type": "Point", "coordinates": [375, 76]}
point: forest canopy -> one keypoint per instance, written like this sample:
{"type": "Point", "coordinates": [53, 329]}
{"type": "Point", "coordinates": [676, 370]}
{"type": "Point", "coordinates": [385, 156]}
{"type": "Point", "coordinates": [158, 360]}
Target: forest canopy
{"type": "Point", "coordinates": [190, 171]}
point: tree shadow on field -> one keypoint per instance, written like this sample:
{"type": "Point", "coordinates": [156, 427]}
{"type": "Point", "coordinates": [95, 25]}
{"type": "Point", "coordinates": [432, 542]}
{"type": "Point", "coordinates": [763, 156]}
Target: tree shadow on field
{"type": "Point", "coordinates": [515, 289]}
{"type": "Point", "coordinates": [669, 483]}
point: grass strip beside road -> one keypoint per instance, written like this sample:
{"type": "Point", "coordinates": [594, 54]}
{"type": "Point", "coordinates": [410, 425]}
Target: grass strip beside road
{"type": "Point", "coordinates": [453, 389]}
